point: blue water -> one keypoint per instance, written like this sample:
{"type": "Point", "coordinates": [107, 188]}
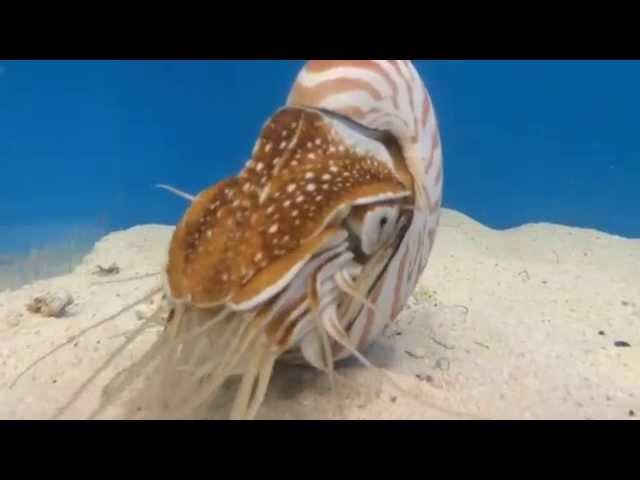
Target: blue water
{"type": "Point", "coordinates": [83, 143]}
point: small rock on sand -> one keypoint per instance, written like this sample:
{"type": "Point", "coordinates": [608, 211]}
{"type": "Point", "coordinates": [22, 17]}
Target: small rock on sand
{"type": "Point", "coordinates": [51, 304]}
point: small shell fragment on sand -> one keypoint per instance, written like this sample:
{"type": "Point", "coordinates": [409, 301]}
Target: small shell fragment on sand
{"type": "Point", "coordinates": [146, 310]}
{"type": "Point", "coordinates": [51, 304]}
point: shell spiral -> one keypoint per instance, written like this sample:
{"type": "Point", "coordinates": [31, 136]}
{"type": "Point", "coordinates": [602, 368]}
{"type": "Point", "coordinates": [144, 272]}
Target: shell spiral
{"type": "Point", "coordinates": [390, 96]}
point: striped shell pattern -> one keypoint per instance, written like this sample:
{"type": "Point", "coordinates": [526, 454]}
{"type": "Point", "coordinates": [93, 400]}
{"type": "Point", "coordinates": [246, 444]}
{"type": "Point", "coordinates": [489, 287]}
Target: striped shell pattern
{"type": "Point", "coordinates": [387, 95]}
{"type": "Point", "coordinates": [315, 246]}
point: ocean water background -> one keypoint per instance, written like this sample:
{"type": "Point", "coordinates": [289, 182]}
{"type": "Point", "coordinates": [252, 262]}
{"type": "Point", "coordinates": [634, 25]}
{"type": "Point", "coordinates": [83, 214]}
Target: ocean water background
{"type": "Point", "coordinates": [82, 143]}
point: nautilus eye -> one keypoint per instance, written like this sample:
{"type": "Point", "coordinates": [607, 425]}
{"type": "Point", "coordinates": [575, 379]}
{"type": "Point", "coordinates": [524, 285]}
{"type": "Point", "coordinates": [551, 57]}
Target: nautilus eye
{"type": "Point", "coordinates": [374, 225]}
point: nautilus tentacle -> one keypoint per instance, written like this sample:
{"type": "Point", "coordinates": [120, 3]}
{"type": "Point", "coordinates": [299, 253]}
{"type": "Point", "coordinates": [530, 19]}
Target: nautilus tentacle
{"type": "Point", "coordinates": [177, 192]}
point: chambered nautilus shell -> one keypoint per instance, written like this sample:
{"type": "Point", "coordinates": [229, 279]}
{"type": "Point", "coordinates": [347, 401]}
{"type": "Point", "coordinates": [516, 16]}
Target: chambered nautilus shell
{"type": "Point", "coordinates": [314, 247]}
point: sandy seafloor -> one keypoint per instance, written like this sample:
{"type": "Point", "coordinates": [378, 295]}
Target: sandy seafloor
{"type": "Point", "coordinates": [517, 324]}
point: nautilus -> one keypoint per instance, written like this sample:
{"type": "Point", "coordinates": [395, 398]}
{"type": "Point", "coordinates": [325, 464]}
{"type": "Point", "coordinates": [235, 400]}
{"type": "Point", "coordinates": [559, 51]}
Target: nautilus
{"type": "Point", "coordinates": [313, 248]}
